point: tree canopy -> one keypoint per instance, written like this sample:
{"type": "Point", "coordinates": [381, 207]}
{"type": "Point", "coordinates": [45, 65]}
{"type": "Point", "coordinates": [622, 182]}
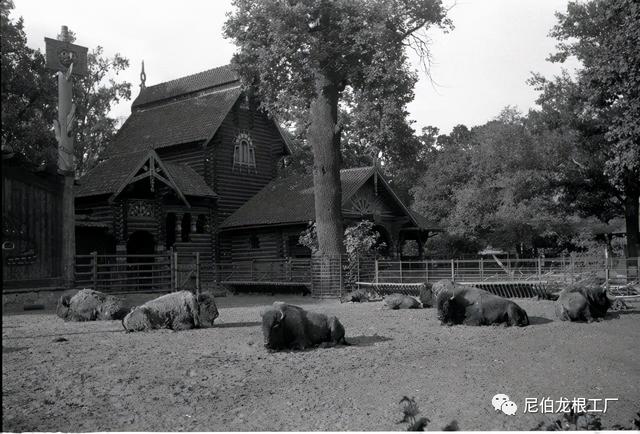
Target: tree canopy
{"type": "Point", "coordinates": [316, 56]}
{"type": "Point", "coordinates": [596, 115]}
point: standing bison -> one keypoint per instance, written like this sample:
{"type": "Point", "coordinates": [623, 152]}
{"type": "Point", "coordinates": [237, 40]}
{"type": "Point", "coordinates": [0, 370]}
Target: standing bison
{"type": "Point", "coordinates": [176, 311]}
{"type": "Point", "coordinates": [468, 305]}
{"type": "Point", "coordinates": [401, 301]}
{"type": "Point", "coordinates": [583, 303]}
{"type": "Point", "coordinates": [90, 305]}
{"type": "Point", "coordinates": [285, 326]}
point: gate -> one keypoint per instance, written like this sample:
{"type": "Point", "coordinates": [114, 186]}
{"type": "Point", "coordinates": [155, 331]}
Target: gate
{"type": "Point", "coordinates": [163, 272]}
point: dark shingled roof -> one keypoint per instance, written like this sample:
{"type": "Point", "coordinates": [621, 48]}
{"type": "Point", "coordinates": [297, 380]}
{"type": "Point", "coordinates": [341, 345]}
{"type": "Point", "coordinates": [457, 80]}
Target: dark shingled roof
{"type": "Point", "coordinates": [188, 180]}
{"type": "Point", "coordinates": [185, 85]}
{"type": "Point", "coordinates": [291, 200]}
{"type": "Point", "coordinates": [108, 176]}
{"type": "Point", "coordinates": [175, 122]}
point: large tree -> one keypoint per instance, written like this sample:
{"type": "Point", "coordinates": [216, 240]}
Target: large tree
{"type": "Point", "coordinates": [29, 98]}
{"type": "Point", "coordinates": [28, 92]}
{"type": "Point", "coordinates": [601, 107]}
{"type": "Point", "coordinates": [304, 56]}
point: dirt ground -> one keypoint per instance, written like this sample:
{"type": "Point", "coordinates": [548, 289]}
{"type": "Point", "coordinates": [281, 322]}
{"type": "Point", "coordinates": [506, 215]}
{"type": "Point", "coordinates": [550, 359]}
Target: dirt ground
{"type": "Point", "coordinates": [223, 379]}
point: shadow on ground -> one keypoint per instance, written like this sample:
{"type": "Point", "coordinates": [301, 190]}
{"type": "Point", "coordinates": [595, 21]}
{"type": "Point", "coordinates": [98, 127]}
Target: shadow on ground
{"type": "Point", "coordinates": [537, 320]}
{"type": "Point", "coordinates": [365, 341]}
{"type": "Point", "coordinates": [65, 334]}
{"type": "Point", "coordinates": [237, 324]}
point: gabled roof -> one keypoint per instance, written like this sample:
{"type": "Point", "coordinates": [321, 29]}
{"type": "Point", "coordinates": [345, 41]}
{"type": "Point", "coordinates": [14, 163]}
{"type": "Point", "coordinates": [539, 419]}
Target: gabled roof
{"type": "Point", "coordinates": [186, 85]}
{"type": "Point", "coordinates": [112, 175]}
{"type": "Point", "coordinates": [185, 110]}
{"type": "Point", "coordinates": [291, 200]}
{"type": "Point", "coordinates": [174, 122]}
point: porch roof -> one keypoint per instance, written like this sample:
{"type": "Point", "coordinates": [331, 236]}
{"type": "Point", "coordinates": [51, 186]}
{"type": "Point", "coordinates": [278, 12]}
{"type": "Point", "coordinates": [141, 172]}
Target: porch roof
{"type": "Point", "coordinates": [291, 200]}
{"type": "Point", "coordinates": [111, 175]}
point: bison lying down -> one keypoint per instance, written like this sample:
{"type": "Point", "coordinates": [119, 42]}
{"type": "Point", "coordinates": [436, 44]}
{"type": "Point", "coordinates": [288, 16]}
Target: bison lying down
{"type": "Point", "coordinates": [583, 303]}
{"type": "Point", "coordinates": [287, 326]}
{"type": "Point", "coordinates": [473, 306]}
{"type": "Point", "coordinates": [176, 311]}
{"type": "Point", "coordinates": [400, 301]}
{"type": "Point", "coordinates": [90, 305]}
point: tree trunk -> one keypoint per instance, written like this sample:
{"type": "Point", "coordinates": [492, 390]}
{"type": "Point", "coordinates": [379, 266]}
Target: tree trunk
{"type": "Point", "coordinates": [632, 219]}
{"type": "Point", "coordinates": [324, 137]}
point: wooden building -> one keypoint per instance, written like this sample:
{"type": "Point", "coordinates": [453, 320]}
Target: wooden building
{"type": "Point", "coordinates": [191, 153]}
{"type": "Point", "coordinates": [194, 169]}
{"type": "Point", "coordinates": [31, 225]}
{"type": "Point", "coordinates": [260, 231]}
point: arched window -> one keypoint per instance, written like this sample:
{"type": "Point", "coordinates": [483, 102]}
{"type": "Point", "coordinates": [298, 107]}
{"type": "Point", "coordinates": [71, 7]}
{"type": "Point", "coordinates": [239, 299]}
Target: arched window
{"type": "Point", "coordinates": [244, 153]}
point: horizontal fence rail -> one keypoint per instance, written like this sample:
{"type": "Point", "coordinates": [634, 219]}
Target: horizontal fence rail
{"type": "Point", "coordinates": [334, 276]}
{"type": "Point", "coordinates": [294, 271]}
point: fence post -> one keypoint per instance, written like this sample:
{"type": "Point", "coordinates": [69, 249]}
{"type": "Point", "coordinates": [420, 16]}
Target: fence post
{"type": "Point", "coordinates": [606, 268]}
{"type": "Point", "coordinates": [426, 271]}
{"type": "Point", "coordinates": [251, 271]}
{"type": "Point", "coordinates": [453, 271]}
{"type": "Point", "coordinates": [376, 269]}
{"type": "Point", "coordinates": [539, 268]}
{"type": "Point", "coordinates": [481, 268]}
{"type": "Point", "coordinates": [400, 270]}
{"type": "Point", "coordinates": [94, 269]}
{"type": "Point", "coordinates": [176, 285]}
{"type": "Point", "coordinates": [197, 273]}
{"type": "Point", "coordinates": [573, 269]}
{"type": "Point", "coordinates": [340, 271]}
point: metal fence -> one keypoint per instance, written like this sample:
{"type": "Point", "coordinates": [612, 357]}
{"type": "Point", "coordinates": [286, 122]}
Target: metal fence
{"type": "Point", "coordinates": [614, 271]}
{"type": "Point", "coordinates": [281, 271]}
{"type": "Point", "coordinates": [164, 272]}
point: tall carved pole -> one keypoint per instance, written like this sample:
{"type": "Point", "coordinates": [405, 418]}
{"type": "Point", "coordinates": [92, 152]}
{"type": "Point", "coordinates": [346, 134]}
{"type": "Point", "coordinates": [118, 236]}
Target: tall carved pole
{"type": "Point", "coordinates": [67, 59]}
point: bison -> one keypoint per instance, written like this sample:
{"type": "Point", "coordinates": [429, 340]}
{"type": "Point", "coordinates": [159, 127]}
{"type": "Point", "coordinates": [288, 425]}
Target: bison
{"type": "Point", "coordinates": [357, 296]}
{"type": "Point", "coordinates": [473, 306]}
{"type": "Point", "coordinates": [176, 311]}
{"type": "Point", "coordinates": [401, 301]}
{"type": "Point", "coordinates": [90, 305]}
{"type": "Point", "coordinates": [585, 303]}
{"type": "Point", "coordinates": [285, 326]}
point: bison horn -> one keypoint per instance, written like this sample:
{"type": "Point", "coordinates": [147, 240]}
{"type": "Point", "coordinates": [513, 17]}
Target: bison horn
{"type": "Point", "coordinates": [281, 316]}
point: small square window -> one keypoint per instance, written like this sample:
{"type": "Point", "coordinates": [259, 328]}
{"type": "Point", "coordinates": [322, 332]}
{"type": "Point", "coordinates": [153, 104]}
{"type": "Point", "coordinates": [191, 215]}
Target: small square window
{"type": "Point", "coordinates": [254, 241]}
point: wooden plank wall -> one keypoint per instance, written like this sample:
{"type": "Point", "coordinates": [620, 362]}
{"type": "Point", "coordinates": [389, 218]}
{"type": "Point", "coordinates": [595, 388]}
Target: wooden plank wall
{"type": "Point", "coordinates": [235, 186]}
{"type": "Point", "coordinates": [33, 201]}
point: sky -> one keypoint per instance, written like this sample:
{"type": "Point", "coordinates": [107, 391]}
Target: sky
{"type": "Point", "coordinates": [479, 68]}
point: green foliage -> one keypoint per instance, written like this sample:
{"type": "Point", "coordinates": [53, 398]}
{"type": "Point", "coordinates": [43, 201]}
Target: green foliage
{"type": "Point", "coordinates": [594, 118]}
{"type": "Point", "coordinates": [28, 94]}
{"type": "Point", "coordinates": [309, 238]}
{"type": "Point", "coordinates": [95, 95]}
{"type": "Point", "coordinates": [360, 240]}
{"type": "Point", "coordinates": [29, 99]}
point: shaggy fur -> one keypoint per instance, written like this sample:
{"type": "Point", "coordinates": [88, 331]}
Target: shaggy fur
{"type": "Point", "coordinates": [582, 303]}
{"type": "Point", "coordinates": [357, 296]}
{"type": "Point", "coordinates": [90, 305]}
{"type": "Point", "coordinates": [285, 326]}
{"type": "Point", "coordinates": [401, 301]}
{"type": "Point", "coordinates": [426, 296]}
{"type": "Point", "coordinates": [176, 311]}
{"type": "Point", "coordinates": [473, 306]}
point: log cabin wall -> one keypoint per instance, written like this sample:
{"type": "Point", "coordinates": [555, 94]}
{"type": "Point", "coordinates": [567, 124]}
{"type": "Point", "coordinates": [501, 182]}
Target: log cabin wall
{"type": "Point", "coordinates": [235, 186]}
{"type": "Point", "coordinates": [32, 228]}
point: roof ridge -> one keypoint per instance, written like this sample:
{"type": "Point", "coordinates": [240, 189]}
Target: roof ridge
{"type": "Point", "coordinates": [185, 77]}
{"type": "Point", "coordinates": [164, 102]}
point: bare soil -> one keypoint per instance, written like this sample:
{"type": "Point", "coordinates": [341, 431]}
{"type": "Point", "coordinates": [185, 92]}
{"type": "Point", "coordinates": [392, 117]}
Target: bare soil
{"type": "Point", "coordinates": [223, 379]}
